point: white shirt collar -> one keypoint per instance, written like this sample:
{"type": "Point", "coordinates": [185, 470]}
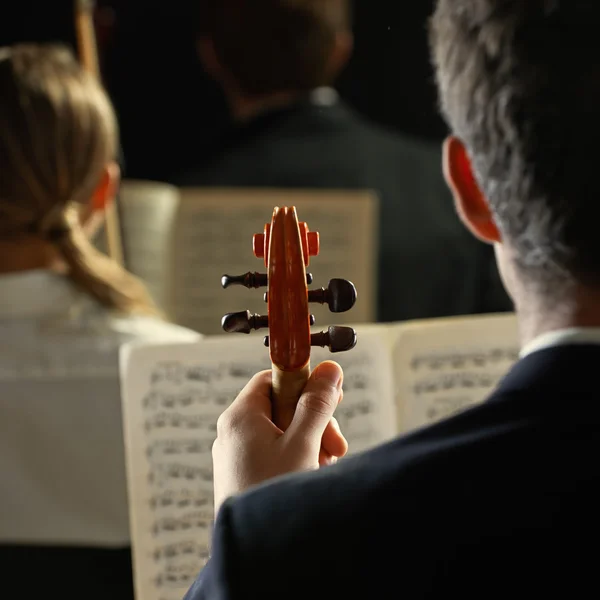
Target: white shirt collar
{"type": "Point", "coordinates": [324, 96]}
{"type": "Point", "coordinates": [562, 337]}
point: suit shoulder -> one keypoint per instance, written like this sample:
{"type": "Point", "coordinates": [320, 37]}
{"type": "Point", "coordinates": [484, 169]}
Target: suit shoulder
{"type": "Point", "coordinates": [361, 482]}
{"type": "Point", "coordinates": [374, 499]}
{"type": "Point", "coordinates": [398, 458]}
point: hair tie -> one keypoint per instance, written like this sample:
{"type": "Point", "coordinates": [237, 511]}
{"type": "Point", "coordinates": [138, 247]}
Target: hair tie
{"type": "Point", "coordinates": [54, 226]}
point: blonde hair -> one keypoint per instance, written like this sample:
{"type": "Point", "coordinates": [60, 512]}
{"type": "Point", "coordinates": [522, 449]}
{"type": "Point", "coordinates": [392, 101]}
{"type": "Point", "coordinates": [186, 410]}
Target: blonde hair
{"type": "Point", "coordinates": [58, 133]}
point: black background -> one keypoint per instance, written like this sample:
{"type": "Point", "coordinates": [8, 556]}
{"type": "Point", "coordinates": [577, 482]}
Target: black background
{"type": "Point", "coordinates": [168, 107]}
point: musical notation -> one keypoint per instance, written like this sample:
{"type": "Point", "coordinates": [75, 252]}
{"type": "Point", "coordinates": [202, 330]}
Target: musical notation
{"type": "Point", "coordinates": [440, 384]}
{"type": "Point", "coordinates": [203, 227]}
{"type": "Point", "coordinates": [160, 449]}
{"type": "Point", "coordinates": [367, 414]}
{"type": "Point", "coordinates": [445, 407]}
{"type": "Point", "coordinates": [455, 381]}
{"type": "Point", "coordinates": [176, 577]}
{"type": "Point", "coordinates": [172, 372]}
{"type": "Point", "coordinates": [359, 408]}
{"type": "Point", "coordinates": [165, 474]}
{"type": "Point", "coordinates": [491, 357]}
{"type": "Point", "coordinates": [180, 549]}
{"type": "Point", "coordinates": [179, 420]}
{"type": "Point", "coordinates": [355, 380]}
{"type": "Point", "coordinates": [175, 401]}
{"type": "Point", "coordinates": [180, 499]}
{"type": "Point", "coordinates": [186, 522]}
{"type": "Point", "coordinates": [156, 400]}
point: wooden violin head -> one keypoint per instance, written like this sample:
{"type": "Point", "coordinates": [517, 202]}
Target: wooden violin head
{"type": "Point", "coordinates": [286, 246]}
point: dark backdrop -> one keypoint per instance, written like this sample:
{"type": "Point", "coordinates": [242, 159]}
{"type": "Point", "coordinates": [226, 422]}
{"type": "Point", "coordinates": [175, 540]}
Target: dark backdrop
{"type": "Point", "coordinates": [169, 109]}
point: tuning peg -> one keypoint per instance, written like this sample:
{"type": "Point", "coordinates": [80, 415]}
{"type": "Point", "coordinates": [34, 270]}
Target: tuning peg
{"type": "Point", "coordinates": [249, 280]}
{"type": "Point", "coordinates": [340, 295]}
{"type": "Point", "coordinates": [337, 339]}
{"type": "Point", "coordinates": [243, 322]}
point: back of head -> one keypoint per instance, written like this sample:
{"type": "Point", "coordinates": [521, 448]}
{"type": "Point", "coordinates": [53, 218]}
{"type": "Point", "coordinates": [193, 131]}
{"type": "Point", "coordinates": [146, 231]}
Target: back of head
{"type": "Point", "coordinates": [271, 46]}
{"type": "Point", "coordinates": [58, 133]}
{"type": "Point", "coordinates": [519, 83]}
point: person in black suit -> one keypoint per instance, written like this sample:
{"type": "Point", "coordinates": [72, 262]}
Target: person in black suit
{"type": "Point", "coordinates": [499, 501]}
{"type": "Point", "coordinates": [276, 61]}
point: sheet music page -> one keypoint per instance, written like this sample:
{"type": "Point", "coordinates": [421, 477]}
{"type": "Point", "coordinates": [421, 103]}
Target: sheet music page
{"type": "Point", "coordinates": [213, 237]}
{"type": "Point", "coordinates": [148, 212]}
{"type": "Point", "coordinates": [446, 365]}
{"type": "Point", "coordinates": [172, 398]}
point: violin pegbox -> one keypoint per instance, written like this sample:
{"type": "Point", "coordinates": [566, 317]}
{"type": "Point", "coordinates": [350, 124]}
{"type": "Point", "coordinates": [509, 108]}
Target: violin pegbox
{"type": "Point", "coordinates": [340, 295]}
{"type": "Point", "coordinates": [286, 246]}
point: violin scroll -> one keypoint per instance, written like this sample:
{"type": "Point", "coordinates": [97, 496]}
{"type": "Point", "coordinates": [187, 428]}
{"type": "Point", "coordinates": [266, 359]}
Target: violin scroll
{"type": "Point", "coordinates": [286, 246]}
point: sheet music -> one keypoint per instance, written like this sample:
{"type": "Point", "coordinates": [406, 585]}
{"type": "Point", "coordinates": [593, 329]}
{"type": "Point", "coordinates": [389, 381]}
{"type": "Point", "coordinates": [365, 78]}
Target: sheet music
{"type": "Point", "coordinates": [148, 212]}
{"type": "Point", "coordinates": [445, 366]}
{"type": "Point", "coordinates": [214, 234]}
{"type": "Point", "coordinates": [172, 397]}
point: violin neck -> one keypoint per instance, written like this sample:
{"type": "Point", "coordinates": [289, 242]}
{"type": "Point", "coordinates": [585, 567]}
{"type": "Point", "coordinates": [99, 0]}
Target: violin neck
{"type": "Point", "coordinates": [287, 389]}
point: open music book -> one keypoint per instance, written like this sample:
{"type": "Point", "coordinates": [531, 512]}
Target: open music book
{"type": "Point", "coordinates": [398, 378]}
{"type": "Point", "coordinates": [181, 241]}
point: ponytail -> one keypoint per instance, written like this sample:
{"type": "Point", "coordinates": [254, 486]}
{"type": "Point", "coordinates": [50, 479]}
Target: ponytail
{"type": "Point", "coordinates": [95, 273]}
{"type": "Point", "coordinates": [48, 172]}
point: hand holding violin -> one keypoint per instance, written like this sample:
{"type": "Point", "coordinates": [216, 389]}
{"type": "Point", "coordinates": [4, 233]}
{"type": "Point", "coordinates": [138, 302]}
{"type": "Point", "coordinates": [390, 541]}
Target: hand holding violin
{"type": "Point", "coordinates": [251, 449]}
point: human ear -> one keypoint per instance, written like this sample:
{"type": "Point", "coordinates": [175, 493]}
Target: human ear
{"type": "Point", "coordinates": [470, 202]}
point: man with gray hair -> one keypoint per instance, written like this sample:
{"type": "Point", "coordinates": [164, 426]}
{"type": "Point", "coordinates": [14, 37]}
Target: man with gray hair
{"type": "Point", "coordinates": [499, 501]}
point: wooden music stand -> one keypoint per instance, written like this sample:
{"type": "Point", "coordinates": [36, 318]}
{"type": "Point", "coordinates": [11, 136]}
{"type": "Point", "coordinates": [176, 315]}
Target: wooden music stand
{"type": "Point", "coordinates": [88, 53]}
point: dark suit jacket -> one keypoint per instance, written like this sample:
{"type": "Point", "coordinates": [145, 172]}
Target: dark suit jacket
{"type": "Point", "coordinates": [500, 501]}
{"type": "Point", "coordinates": [429, 265]}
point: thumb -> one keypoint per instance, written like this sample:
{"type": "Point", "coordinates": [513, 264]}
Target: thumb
{"type": "Point", "coordinates": [317, 404]}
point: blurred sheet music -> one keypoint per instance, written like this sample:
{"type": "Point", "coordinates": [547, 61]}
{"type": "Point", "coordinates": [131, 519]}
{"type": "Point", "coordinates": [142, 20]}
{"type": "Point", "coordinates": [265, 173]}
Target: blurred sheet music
{"type": "Point", "coordinates": [181, 241]}
{"type": "Point", "coordinates": [172, 398]}
{"type": "Point", "coordinates": [444, 366]}
{"type": "Point", "coordinates": [148, 212]}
